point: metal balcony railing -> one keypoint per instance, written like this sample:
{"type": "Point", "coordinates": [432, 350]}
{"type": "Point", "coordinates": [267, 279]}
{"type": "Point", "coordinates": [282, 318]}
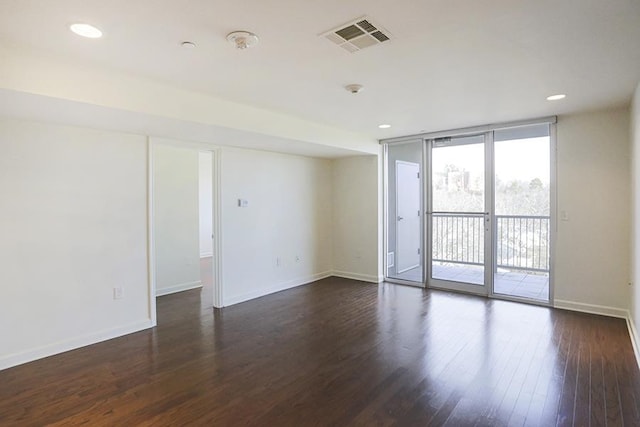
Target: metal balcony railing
{"type": "Point", "coordinates": [522, 241]}
{"type": "Point", "coordinates": [458, 238]}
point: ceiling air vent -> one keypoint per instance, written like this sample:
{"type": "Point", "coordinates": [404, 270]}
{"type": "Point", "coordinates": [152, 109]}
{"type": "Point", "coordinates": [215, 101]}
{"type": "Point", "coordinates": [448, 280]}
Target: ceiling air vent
{"type": "Point", "coordinates": [357, 35]}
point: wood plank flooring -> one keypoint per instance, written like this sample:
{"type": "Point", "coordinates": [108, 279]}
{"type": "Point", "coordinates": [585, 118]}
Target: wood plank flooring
{"type": "Point", "coordinates": [340, 352]}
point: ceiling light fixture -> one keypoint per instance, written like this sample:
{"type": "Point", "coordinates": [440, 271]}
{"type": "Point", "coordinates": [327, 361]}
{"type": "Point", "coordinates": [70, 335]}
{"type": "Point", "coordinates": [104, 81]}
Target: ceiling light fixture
{"type": "Point", "coordinates": [384, 126]}
{"type": "Point", "coordinates": [556, 97]}
{"type": "Point", "coordinates": [242, 39]}
{"type": "Point", "coordinates": [188, 45]}
{"type": "Point", "coordinates": [86, 30]}
{"type": "Point", "coordinates": [354, 88]}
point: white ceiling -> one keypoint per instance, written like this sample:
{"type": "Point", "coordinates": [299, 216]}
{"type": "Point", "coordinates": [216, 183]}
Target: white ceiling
{"type": "Point", "coordinates": [450, 63]}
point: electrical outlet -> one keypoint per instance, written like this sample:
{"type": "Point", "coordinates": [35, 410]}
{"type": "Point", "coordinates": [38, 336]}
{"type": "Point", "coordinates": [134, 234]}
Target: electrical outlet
{"type": "Point", "coordinates": [118, 293]}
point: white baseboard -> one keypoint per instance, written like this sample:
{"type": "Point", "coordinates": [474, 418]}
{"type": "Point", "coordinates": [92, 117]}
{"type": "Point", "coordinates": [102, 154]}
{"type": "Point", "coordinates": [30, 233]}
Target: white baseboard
{"type": "Point", "coordinates": [606, 311]}
{"type": "Point", "coordinates": [357, 276]}
{"type": "Point", "coordinates": [273, 289]}
{"type": "Point", "coordinates": [178, 288]}
{"type": "Point", "coordinates": [206, 254]}
{"type": "Point", "coordinates": [635, 339]}
{"type": "Point", "coordinates": [16, 359]}
{"type": "Point", "coordinates": [591, 308]}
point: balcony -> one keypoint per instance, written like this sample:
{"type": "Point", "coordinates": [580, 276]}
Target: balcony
{"type": "Point", "coordinates": [521, 253]}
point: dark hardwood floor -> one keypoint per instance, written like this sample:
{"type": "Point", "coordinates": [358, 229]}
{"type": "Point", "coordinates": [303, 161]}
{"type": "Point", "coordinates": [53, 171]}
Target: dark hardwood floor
{"type": "Point", "coordinates": [340, 352]}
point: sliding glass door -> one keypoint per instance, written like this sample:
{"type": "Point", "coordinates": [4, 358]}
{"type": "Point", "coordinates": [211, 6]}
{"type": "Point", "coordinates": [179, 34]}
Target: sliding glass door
{"type": "Point", "coordinates": [459, 233]}
{"type": "Point", "coordinates": [473, 212]}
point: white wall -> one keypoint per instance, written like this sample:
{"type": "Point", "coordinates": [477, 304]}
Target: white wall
{"type": "Point", "coordinates": [289, 215]}
{"type": "Point", "coordinates": [205, 205]}
{"type": "Point", "coordinates": [592, 248]}
{"type": "Point", "coordinates": [73, 221]}
{"type": "Point", "coordinates": [29, 71]}
{"type": "Point", "coordinates": [176, 218]}
{"type": "Point", "coordinates": [635, 197]}
{"type": "Point", "coordinates": [80, 197]}
{"type": "Point", "coordinates": [356, 218]}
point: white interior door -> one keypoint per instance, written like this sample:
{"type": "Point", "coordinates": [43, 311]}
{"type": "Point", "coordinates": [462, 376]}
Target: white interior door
{"type": "Point", "coordinates": [407, 216]}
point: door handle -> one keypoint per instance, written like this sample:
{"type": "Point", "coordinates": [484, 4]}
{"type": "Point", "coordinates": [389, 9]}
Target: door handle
{"type": "Point", "coordinates": [400, 218]}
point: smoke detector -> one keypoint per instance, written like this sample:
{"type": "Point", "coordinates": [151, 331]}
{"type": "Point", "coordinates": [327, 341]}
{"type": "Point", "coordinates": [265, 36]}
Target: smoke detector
{"type": "Point", "coordinates": [358, 34]}
{"type": "Point", "coordinates": [242, 39]}
{"type": "Point", "coordinates": [354, 88]}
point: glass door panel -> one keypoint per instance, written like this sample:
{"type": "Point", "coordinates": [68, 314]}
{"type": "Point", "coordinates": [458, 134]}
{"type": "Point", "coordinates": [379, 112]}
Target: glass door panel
{"type": "Point", "coordinates": [458, 219]}
{"type": "Point", "coordinates": [522, 212]}
{"type": "Point", "coordinates": [488, 202]}
{"type": "Point", "coordinates": [405, 229]}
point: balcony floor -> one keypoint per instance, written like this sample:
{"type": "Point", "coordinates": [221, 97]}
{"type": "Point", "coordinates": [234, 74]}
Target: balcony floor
{"type": "Point", "coordinates": [510, 283]}
{"type": "Point", "coordinates": [522, 284]}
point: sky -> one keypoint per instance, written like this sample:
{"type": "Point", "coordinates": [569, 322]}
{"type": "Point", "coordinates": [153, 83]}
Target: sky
{"type": "Point", "coordinates": [520, 159]}
{"type": "Point", "coordinates": [523, 159]}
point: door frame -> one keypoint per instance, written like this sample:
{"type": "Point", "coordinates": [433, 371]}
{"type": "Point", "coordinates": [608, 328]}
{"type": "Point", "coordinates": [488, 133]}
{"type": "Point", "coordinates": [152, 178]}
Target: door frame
{"type": "Point", "coordinates": [385, 215]}
{"type": "Point", "coordinates": [216, 159]}
{"type": "Point", "coordinates": [487, 287]}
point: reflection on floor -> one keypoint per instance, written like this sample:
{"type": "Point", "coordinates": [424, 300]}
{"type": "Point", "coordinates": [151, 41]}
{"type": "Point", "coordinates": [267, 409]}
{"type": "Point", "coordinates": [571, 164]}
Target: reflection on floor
{"type": "Point", "coordinates": [511, 283]}
{"type": "Point", "coordinates": [206, 276]}
{"type": "Point", "coordinates": [337, 353]}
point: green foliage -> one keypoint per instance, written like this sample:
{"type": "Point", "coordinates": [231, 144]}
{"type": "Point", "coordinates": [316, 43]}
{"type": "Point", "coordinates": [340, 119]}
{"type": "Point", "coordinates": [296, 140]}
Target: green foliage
{"type": "Point", "coordinates": [522, 198]}
{"type": "Point", "coordinates": [512, 198]}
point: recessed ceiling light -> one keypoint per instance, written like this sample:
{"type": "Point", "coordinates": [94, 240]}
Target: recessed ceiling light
{"type": "Point", "coordinates": [556, 97]}
{"type": "Point", "coordinates": [354, 88]}
{"type": "Point", "coordinates": [188, 45]}
{"type": "Point", "coordinates": [86, 30]}
{"type": "Point", "coordinates": [384, 126]}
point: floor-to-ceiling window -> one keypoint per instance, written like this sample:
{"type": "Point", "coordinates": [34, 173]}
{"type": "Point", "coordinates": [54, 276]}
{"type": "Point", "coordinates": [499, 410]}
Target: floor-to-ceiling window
{"type": "Point", "coordinates": [472, 210]}
{"type": "Point", "coordinates": [522, 188]}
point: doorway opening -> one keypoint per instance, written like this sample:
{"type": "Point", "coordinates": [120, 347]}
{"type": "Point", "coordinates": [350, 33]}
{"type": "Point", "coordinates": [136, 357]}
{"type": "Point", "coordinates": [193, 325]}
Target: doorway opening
{"type": "Point", "coordinates": [183, 224]}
